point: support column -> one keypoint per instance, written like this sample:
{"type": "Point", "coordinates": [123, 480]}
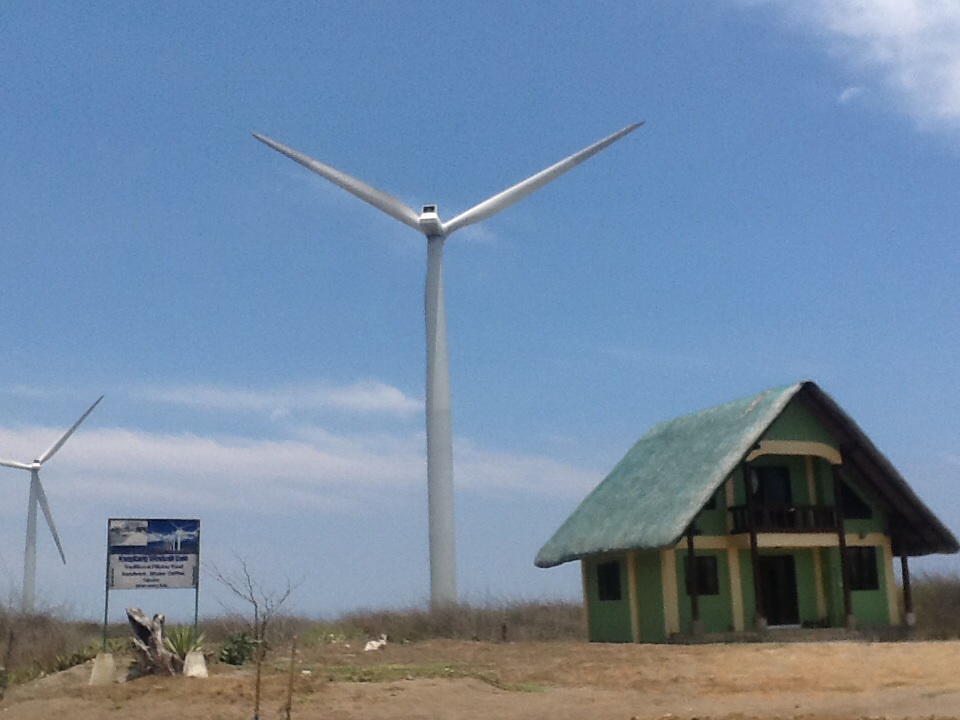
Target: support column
{"type": "Point", "coordinates": [909, 617]}
{"type": "Point", "coordinates": [760, 612]}
{"type": "Point", "coordinates": [850, 618]}
{"type": "Point", "coordinates": [633, 597]}
{"type": "Point", "coordinates": [693, 587]}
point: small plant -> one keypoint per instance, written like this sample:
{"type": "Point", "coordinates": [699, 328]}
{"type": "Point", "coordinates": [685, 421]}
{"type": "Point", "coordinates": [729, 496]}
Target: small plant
{"type": "Point", "coordinates": [118, 645]}
{"type": "Point", "coordinates": [77, 657]}
{"type": "Point", "coordinates": [237, 648]}
{"type": "Point", "coordinates": [183, 639]}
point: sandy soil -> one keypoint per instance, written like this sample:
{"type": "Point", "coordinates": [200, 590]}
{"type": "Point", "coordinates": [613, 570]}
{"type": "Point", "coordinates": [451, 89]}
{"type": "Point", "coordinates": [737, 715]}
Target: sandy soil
{"type": "Point", "coordinates": [448, 680]}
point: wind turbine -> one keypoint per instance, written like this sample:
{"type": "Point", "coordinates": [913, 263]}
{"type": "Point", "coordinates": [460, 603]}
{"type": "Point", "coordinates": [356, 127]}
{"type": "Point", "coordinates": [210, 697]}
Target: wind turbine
{"type": "Point", "coordinates": [38, 496]}
{"type": "Point", "coordinates": [443, 583]}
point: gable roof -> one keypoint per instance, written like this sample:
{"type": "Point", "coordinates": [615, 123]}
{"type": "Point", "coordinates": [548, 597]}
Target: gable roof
{"type": "Point", "coordinates": [661, 484]}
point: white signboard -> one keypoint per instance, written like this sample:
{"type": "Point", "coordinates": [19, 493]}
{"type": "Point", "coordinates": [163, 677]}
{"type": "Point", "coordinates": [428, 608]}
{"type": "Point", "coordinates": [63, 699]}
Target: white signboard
{"type": "Point", "coordinates": [153, 554]}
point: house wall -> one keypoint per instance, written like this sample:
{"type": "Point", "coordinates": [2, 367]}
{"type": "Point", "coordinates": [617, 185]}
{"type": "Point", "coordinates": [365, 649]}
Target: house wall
{"type": "Point", "coordinates": [650, 597]}
{"type": "Point", "coordinates": [795, 423]}
{"type": "Point", "coordinates": [608, 620]}
{"type": "Point", "coordinates": [715, 610]}
{"type": "Point", "coordinates": [663, 607]}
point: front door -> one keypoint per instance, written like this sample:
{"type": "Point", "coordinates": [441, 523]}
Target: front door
{"type": "Point", "coordinates": [778, 575]}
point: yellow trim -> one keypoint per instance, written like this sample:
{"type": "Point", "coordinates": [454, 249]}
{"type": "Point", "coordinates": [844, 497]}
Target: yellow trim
{"type": "Point", "coordinates": [736, 589]}
{"type": "Point", "coordinates": [818, 583]}
{"type": "Point", "coordinates": [811, 484]}
{"type": "Point", "coordinates": [705, 542]}
{"type": "Point", "coordinates": [796, 540]}
{"type": "Point", "coordinates": [781, 540]}
{"type": "Point", "coordinates": [633, 596]}
{"type": "Point", "coordinates": [893, 597]}
{"type": "Point", "coordinates": [668, 578]}
{"type": "Point", "coordinates": [586, 593]}
{"type": "Point", "coordinates": [875, 538]}
{"type": "Point", "coordinates": [797, 447]}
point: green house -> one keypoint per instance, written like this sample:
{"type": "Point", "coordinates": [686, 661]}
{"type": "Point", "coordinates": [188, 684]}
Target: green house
{"type": "Point", "coordinates": [774, 511]}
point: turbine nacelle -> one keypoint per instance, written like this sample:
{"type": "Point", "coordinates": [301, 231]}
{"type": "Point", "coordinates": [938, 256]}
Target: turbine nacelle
{"type": "Point", "coordinates": [430, 224]}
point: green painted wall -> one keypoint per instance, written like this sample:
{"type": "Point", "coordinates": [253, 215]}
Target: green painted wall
{"type": "Point", "coordinates": [870, 607]}
{"type": "Point", "coordinates": [609, 620]}
{"type": "Point", "coordinates": [714, 521]}
{"type": "Point", "coordinates": [795, 423]}
{"type": "Point", "coordinates": [650, 596]}
{"type": "Point", "coordinates": [714, 609]}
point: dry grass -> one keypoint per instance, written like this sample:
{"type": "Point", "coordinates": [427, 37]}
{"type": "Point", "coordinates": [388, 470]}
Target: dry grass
{"type": "Point", "coordinates": [39, 643]}
{"type": "Point", "coordinates": [936, 600]}
{"type": "Point", "coordinates": [520, 621]}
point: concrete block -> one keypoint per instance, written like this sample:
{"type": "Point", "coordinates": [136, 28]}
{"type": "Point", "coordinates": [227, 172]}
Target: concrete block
{"type": "Point", "coordinates": [104, 670]}
{"type": "Point", "coordinates": [194, 665]}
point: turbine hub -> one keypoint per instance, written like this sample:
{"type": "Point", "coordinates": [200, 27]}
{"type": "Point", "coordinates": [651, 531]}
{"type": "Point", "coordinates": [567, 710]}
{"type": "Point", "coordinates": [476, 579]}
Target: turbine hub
{"type": "Point", "coordinates": [430, 222]}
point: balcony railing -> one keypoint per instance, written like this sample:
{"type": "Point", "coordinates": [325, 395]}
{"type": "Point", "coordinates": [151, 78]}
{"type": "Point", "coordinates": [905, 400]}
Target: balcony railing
{"type": "Point", "coordinates": [785, 518]}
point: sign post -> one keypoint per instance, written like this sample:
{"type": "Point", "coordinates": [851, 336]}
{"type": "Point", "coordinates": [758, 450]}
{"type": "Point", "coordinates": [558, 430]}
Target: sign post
{"type": "Point", "coordinates": [152, 554]}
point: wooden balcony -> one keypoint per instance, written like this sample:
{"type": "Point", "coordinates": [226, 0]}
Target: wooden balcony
{"type": "Point", "coordinates": [785, 518]}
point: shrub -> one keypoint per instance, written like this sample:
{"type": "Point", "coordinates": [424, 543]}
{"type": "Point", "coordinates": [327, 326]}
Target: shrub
{"type": "Point", "coordinates": [236, 649]}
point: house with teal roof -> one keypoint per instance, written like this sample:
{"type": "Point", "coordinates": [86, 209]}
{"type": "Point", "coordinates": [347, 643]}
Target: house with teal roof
{"type": "Point", "coordinates": [772, 511]}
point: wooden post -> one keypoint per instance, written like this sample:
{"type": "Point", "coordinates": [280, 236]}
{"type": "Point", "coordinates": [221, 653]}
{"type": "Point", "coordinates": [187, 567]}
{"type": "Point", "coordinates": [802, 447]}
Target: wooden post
{"type": "Point", "coordinates": [693, 586]}
{"type": "Point", "coordinates": [760, 612]}
{"type": "Point", "coordinates": [909, 618]}
{"type": "Point", "coordinates": [288, 706]}
{"type": "Point", "coordinates": [850, 618]}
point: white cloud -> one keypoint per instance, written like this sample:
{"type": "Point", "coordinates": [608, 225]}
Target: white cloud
{"type": "Point", "coordinates": [487, 471]}
{"type": "Point", "coordinates": [914, 46]}
{"type": "Point", "coordinates": [319, 470]}
{"type": "Point", "coordinates": [360, 397]}
{"type": "Point", "coordinates": [849, 95]}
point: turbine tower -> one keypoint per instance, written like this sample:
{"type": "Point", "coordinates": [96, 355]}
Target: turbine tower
{"type": "Point", "coordinates": [38, 496]}
{"type": "Point", "coordinates": [443, 583]}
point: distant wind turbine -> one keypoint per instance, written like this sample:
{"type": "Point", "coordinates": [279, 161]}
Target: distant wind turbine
{"type": "Point", "coordinates": [38, 496]}
{"type": "Point", "coordinates": [443, 583]}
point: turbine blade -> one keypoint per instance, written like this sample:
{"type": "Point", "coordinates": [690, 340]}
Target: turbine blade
{"type": "Point", "coordinates": [508, 197]}
{"type": "Point", "coordinates": [382, 201]}
{"type": "Point", "coordinates": [15, 464]}
{"type": "Point", "coordinates": [59, 443]}
{"type": "Point", "coordinates": [45, 506]}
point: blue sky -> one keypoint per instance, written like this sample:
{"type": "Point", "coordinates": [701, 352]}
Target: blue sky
{"type": "Point", "coordinates": [788, 211]}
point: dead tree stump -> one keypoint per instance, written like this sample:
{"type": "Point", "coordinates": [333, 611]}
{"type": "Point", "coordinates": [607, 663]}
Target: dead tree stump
{"type": "Point", "coordinates": [153, 656]}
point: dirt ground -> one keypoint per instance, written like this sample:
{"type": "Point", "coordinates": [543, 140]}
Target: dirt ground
{"type": "Point", "coordinates": [447, 680]}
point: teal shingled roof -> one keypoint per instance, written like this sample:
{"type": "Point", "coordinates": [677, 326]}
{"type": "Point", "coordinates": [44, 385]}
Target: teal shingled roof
{"type": "Point", "coordinates": [651, 496]}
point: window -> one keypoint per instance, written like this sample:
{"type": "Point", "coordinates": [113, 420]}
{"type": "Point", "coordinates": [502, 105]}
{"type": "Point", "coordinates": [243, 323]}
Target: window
{"type": "Point", "coordinates": [771, 485]}
{"type": "Point", "coordinates": [862, 564]}
{"type": "Point", "coordinates": [707, 580]}
{"type": "Point", "coordinates": [853, 506]}
{"type": "Point", "coordinates": [608, 580]}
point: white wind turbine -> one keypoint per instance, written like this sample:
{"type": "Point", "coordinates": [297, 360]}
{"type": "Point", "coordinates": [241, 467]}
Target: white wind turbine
{"type": "Point", "coordinates": [443, 584]}
{"type": "Point", "coordinates": [38, 496]}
